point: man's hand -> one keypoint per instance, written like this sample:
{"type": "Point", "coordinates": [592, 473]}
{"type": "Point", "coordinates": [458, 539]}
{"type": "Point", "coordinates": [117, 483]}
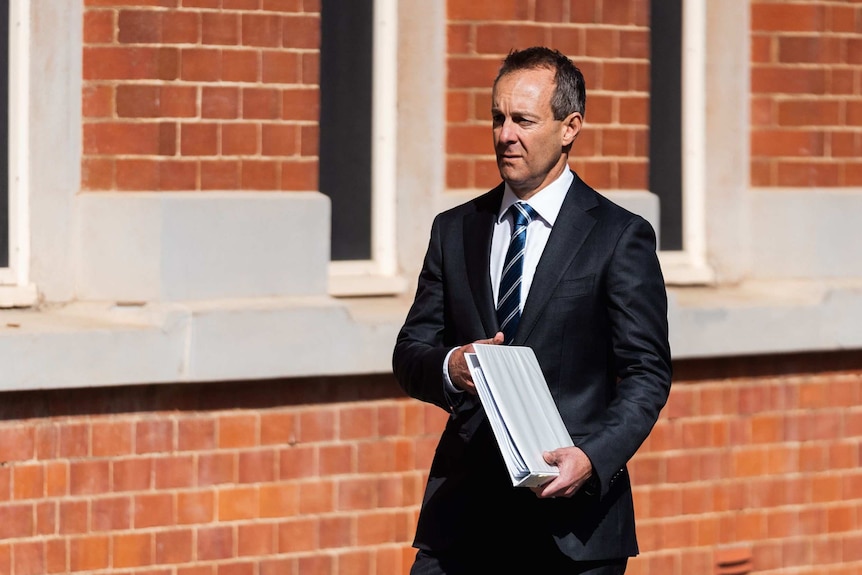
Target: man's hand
{"type": "Point", "coordinates": [459, 373]}
{"type": "Point", "coordinates": [575, 470]}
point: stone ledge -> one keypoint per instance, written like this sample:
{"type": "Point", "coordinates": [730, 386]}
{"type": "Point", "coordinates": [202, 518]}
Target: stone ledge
{"type": "Point", "coordinates": [101, 344]}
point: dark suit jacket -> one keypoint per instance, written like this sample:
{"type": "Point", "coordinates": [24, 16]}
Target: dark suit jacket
{"type": "Point", "coordinates": [596, 317]}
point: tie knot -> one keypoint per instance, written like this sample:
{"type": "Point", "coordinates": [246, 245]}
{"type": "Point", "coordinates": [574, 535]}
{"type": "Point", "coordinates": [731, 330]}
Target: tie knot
{"type": "Point", "coordinates": [523, 213]}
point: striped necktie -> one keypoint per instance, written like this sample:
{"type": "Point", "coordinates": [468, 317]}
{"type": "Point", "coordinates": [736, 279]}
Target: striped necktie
{"type": "Point", "coordinates": [509, 298]}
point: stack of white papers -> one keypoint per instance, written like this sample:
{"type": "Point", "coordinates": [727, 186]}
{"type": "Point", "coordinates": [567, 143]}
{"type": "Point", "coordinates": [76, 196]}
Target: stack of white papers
{"type": "Point", "coordinates": [520, 409]}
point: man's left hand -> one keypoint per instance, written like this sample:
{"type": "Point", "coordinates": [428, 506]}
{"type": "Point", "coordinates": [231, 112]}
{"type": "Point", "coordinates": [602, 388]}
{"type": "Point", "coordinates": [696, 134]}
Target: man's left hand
{"type": "Point", "coordinates": [575, 469]}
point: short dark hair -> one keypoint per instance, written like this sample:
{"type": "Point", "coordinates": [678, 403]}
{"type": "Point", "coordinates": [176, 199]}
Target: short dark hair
{"type": "Point", "coordinates": [570, 92]}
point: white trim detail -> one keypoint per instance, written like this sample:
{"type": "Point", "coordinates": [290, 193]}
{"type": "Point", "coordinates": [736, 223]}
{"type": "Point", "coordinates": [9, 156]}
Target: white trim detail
{"type": "Point", "coordinates": [379, 275]}
{"type": "Point", "coordinates": [689, 266]}
{"type": "Point", "coordinates": [18, 272]}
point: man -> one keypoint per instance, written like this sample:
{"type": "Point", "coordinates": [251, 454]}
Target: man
{"type": "Point", "coordinates": [590, 300]}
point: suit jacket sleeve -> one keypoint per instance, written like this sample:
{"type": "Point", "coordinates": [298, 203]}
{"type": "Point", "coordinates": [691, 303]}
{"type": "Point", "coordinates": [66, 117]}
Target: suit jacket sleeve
{"type": "Point", "coordinates": [636, 302]}
{"type": "Point", "coordinates": [419, 350]}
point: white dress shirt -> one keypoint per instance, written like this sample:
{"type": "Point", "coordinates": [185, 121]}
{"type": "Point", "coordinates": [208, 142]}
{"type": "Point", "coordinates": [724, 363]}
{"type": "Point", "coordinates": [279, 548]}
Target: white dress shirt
{"type": "Point", "coordinates": [547, 203]}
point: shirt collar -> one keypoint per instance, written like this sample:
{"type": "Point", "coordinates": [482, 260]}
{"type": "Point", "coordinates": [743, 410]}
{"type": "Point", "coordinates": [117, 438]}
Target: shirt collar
{"type": "Point", "coordinates": [547, 202]}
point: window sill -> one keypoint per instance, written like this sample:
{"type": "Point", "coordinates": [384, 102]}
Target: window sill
{"type": "Point", "coordinates": [18, 296]}
{"type": "Point", "coordinates": [100, 344]}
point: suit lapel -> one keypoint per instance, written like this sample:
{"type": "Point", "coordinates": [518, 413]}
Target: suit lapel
{"type": "Point", "coordinates": [570, 231]}
{"type": "Point", "coordinates": [478, 230]}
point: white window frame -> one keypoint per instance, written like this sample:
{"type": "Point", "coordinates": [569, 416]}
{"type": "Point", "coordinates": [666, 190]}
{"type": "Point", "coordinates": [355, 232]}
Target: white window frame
{"type": "Point", "coordinates": [14, 280]}
{"type": "Point", "coordinates": [379, 275]}
{"type": "Point", "coordinates": [689, 265]}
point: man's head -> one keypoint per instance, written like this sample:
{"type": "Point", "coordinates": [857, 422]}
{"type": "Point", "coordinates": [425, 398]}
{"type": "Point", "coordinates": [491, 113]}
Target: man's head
{"type": "Point", "coordinates": [570, 93]}
{"type": "Point", "coordinates": [537, 110]}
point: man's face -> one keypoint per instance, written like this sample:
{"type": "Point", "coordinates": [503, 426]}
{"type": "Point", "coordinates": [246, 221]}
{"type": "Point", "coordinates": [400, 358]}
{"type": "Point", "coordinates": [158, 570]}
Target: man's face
{"type": "Point", "coordinates": [528, 140]}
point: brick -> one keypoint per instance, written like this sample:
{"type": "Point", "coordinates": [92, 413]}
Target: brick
{"type": "Point", "coordinates": [195, 507]}
{"type": "Point", "coordinates": [131, 549]}
{"type": "Point", "coordinates": [336, 531]}
{"type": "Point", "coordinates": [89, 477]}
{"type": "Point", "coordinates": [498, 39]}
{"type": "Point", "coordinates": [139, 27]}
{"type": "Point", "coordinates": [302, 104]}
{"type": "Point", "coordinates": [357, 422]}
{"type": "Point", "coordinates": [46, 518]}
{"type": "Point", "coordinates": [89, 553]}
{"type": "Point", "coordinates": [220, 28]}
{"type": "Point", "coordinates": [277, 427]}
{"type": "Point", "coordinates": [154, 436]}
{"type": "Point", "coordinates": [19, 442]}
{"type": "Point", "coordinates": [74, 517]}
{"type": "Point", "coordinates": [257, 539]}
{"type": "Point", "coordinates": [298, 535]}
{"type": "Point", "coordinates": [174, 472]}
{"type": "Point", "coordinates": [486, 173]}
{"type": "Point", "coordinates": [181, 28]}
{"type": "Point", "coordinates": [97, 173]}
{"type": "Point", "coordinates": [199, 139]}
{"type": "Point", "coordinates": [219, 102]}
{"type": "Point", "coordinates": [216, 468]}
{"type": "Point", "coordinates": [375, 528]}
{"type": "Point", "coordinates": [29, 558]}
{"type": "Point", "coordinates": [782, 17]}
{"type": "Point", "coordinates": [785, 80]}
{"type": "Point", "coordinates": [317, 425]}
{"type": "Point", "coordinates": [279, 500]}
{"type": "Point", "coordinates": [98, 26]}
{"type": "Point", "coordinates": [317, 497]}
{"type": "Point", "coordinates": [136, 174]}
{"type": "Point", "coordinates": [487, 9]}
{"type": "Point", "coordinates": [466, 139]}
{"type": "Point", "coordinates": [56, 482]}
{"type": "Point", "coordinates": [16, 520]}
{"type": "Point", "coordinates": [215, 543]}
{"type": "Point", "coordinates": [195, 433]}
{"type": "Point", "coordinates": [257, 466]}
{"type": "Point", "coordinates": [130, 63]}
{"type": "Point", "coordinates": [301, 32]}
{"type": "Point", "coordinates": [115, 138]}
{"type": "Point", "coordinates": [786, 143]}
{"type": "Point", "coordinates": [300, 176]}
{"type": "Point", "coordinates": [111, 438]}
{"type": "Point", "coordinates": [280, 67]}
{"type": "Point", "coordinates": [28, 481]}
{"type": "Point", "coordinates": [357, 493]}
{"type": "Point", "coordinates": [263, 104]}
{"type": "Point", "coordinates": [241, 4]}
{"type": "Point", "coordinates": [310, 69]}
{"type": "Point", "coordinates": [237, 431]}
{"type": "Point", "coordinates": [289, 6]}
{"type": "Point", "coordinates": [602, 43]}
{"type": "Point", "coordinates": [808, 174]}
{"type": "Point", "coordinates": [178, 175]}
{"type": "Point", "coordinates": [337, 459]}
{"type": "Point", "coordinates": [259, 175]}
{"type": "Point", "coordinates": [470, 72]}
{"type": "Point", "coordinates": [316, 564]}
{"type": "Point", "coordinates": [220, 175]}
{"type": "Point", "coordinates": [239, 139]}
{"type": "Point", "coordinates": [201, 64]}
{"type": "Point", "coordinates": [111, 514]}
{"type": "Point", "coordinates": [359, 562]}
{"type": "Point", "coordinates": [263, 30]}
{"type": "Point", "coordinates": [97, 101]}
{"type": "Point", "coordinates": [240, 66]}
{"type": "Point", "coordinates": [807, 49]}
{"type": "Point", "coordinates": [237, 503]}
{"type": "Point", "coordinates": [152, 510]}
{"type": "Point", "coordinates": [132, 474]}
{"type": "Point", "coordinates": [174, 546]}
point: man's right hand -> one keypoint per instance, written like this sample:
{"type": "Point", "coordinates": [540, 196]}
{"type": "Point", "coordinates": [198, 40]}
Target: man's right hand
{"type": "Point", "coordinates": [459, 373]}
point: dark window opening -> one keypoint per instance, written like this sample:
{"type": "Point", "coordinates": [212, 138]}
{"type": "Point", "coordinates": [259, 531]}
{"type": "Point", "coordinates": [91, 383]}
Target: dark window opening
{"type": "Point", "coordinates": [4, 138]}
{"type": "Point", "coordinates": [665, 140]}
{"type": "Point", "coordinates": [345, 123]}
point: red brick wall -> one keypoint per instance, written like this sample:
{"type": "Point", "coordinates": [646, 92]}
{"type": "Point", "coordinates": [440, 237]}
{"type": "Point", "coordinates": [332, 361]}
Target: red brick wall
{"type": "Point", "coordinates": [759, 457]}
{"type": "Point", "coordinates": [608, 41]}
{"type": "Point", "coordinates": [200, 94]}
{"type": "Point", "coordinates": [806, 84]}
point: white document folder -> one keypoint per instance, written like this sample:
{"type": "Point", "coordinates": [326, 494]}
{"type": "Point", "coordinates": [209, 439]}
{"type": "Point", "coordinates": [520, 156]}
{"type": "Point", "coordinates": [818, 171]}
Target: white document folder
{"type": "Point", "coordinates": [520, 409]}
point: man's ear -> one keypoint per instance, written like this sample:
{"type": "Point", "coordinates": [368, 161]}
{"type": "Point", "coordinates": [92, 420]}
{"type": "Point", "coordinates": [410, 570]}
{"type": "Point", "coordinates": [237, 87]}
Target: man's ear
{"type": "Point", "coordinates": [571, 128]}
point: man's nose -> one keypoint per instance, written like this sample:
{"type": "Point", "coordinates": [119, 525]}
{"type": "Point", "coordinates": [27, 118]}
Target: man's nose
{"type": "Point", "coordinates": [507, 131]}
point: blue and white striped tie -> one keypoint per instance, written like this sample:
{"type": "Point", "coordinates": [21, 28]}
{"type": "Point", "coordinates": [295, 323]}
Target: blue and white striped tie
{"type": "Point", "coordinates": [509, 294]}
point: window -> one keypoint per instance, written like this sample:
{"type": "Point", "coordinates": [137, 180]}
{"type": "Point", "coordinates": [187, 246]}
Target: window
{"type": "Point", "coordinates": [677, 136]}
{"type": "Point", "coordinates": [358, 83]}
{"type": "Point", "coordinates": [4, 139]}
